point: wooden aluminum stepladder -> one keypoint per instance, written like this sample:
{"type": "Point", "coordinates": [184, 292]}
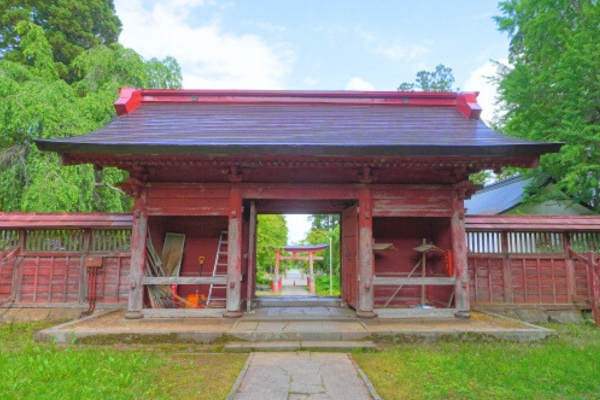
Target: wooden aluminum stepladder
{"type": "Point", "coordinates": [219, 270]}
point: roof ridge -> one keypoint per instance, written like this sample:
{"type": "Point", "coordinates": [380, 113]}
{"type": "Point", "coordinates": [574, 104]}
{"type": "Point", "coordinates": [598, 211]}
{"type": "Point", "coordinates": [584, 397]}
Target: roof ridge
{"type": "Point", "coordinates": [465, 102]}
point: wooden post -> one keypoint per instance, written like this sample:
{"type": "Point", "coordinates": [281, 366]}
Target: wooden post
{"type": "Point", "coordinates": [569, 269]}
{"type": "Point", "coordinates": [423, 273]}
{"type": "Point", "coordinates": [139, 235]}
{"type": "Point", "coordinates": [251, 258]}
{"type": "Point", "coordinates": [594, 288]}
{"type": "Point", "coordinates": [234, 254]}
{"type": "Point", "coordinates": [459, 253]}
{"type": "Point", "coordinates": [506, 269]}
{"type": "Point", "coordinates": [18, 267]}
{"type": "Point", "coordinates": [83, 288]}
{"type": "Point", "coordinates": [311, 272]}
{"type": "Point", "coordinates": [366, 298]}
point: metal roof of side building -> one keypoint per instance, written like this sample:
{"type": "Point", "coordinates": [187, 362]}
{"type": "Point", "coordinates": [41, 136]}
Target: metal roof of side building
{"type": "Point", "coordinates": [207, 122]}
{"type": "Point", "coordinates": [498, 197]}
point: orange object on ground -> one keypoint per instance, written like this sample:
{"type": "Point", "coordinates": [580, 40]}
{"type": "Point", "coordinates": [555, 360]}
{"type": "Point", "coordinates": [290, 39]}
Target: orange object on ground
{"type": "Point", "coordinates": [196, 299]}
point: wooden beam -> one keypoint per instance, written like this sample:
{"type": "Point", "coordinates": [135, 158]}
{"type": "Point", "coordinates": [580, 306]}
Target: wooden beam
{"type": "Point", "coordinates": [301, 258]}
{"type": "Point", "coordinates": [234, 254]}
{"type": "Point", "coordinates": [295, 192]}
{"type": "Point", "coordinates": [554, 223]}
{"type": "Point", "coordinates": [139, 236]}
{"type": "Point", "coordinates": [433, 281]}
{"type": "Point", "coordinates": [366, 298]}
{"type": "Point", "coordinates": [178, 280]}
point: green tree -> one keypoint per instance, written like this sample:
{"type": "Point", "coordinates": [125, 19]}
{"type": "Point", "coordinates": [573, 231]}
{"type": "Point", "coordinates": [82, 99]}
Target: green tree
{"type": "Point", "coordinates": [320, 236]}
{"type": "Point", "coordinates": [552, 87]}
{"type": "Point", "coordinates": [70, 27]}
{"type": "Point", "coordinates": [325, 222]}
{"type": "Point", "coordinates": [439, 80]}
{"type": "Point", "coordinates": [35, 102]}
{"type": "Point", "coordinates": [271, 233]}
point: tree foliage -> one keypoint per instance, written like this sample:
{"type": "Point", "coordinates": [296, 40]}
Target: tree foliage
{"type": "Point", "coordinates": [35, 102]}
{"type": "Point", "coordinates": [552, 87]}
{"type": "Point", "coordinates": [439, 80]}
{"type": "Point", "coordinates": [325, 222]}
{"type": "Point", "coordinates": [271, 233]}
{"type": "Point", "coordinates": [321, 236]}
{"type": "Point", "coordinates": [70, 27]}
{"type": "Point", "coordinates": [323, 228]}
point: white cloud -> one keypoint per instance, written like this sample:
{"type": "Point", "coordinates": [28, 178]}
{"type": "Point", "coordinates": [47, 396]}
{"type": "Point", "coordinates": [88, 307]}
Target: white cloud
{"type": "Point", "coordinates": [391, 51]}
{"type": "Point", "coordinates": [479, 81]}
{"type": "Point", "coordinates": [397, 52]}
{"type": "Point", "coordinates": [358, 83]}
{"type": "Point", "coordinates": [209, 57]}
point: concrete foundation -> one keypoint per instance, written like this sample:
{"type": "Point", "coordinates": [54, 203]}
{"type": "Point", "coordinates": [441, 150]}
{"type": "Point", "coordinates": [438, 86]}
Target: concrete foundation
{"type": "Point", "coordinates": [298, 326]}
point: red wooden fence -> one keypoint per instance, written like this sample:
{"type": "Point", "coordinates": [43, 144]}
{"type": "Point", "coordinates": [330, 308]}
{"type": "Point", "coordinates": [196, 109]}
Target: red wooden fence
{"type": "Point", "coordinates": [524, 260]}
{"type": "Point", "coordinates": [513, 260]}
{"type": "Point", "coordinates": [48, 267]}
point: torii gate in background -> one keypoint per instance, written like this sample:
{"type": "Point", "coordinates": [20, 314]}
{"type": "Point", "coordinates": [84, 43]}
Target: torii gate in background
{"type": "Point", "coordinates": [295, 250]}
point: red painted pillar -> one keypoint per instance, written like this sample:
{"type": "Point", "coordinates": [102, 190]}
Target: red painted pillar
{"type": "Point", "coordinates": [275, 287]}
{"type": "Point", "coordinates": [234, 254]}
{"type": "Point", "coordinates": [366, 298]}
{"type": "Point", "coordinates": [459, 253]}
{"type": "Point", "coordinates": [311, 271]}
{"type": "Point", "coordinates": [139, 236]}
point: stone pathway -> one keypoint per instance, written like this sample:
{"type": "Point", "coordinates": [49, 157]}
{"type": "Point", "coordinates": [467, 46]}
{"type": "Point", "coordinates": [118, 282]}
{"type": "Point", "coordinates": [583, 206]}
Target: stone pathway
{"type": "Point", "coordinates": [301, 376]}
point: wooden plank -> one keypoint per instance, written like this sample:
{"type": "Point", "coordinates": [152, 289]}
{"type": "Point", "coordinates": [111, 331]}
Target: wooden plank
{"type": "Point", "coordinates": [22, 220]}
{"type": "Point", "coordinates": [434, 281]}
{"type": "Point", "coordinates": [554, 223]}
{"type": "Point", "coordinates": [349, 267]}
{"type": "Point", "coordinates": [178, 280]}
{"type": "Point", "coordinates": [185, 211]}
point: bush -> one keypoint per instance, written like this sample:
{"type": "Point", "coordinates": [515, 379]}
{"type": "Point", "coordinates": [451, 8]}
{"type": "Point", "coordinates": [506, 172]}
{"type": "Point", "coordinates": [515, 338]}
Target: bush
{"type": "Point", "coordinates": [263, 279]}
{"type": "Point", "coordinates": [322, 285]}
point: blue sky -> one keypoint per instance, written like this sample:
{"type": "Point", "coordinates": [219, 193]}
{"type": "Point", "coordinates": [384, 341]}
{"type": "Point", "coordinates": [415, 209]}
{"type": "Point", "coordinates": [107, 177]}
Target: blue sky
{"type": "Point", "coordinates": [318, 45]}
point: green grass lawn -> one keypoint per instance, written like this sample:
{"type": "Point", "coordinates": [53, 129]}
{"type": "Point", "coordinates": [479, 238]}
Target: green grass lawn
{"type": "Point", "coordinates": [564, 367]}
{"type": "Point", "coordinates": [30, 370]}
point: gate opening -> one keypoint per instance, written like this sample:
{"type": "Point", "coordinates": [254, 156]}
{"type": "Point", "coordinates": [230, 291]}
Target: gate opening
{"type": "Point", "coordinates": [295, 264]}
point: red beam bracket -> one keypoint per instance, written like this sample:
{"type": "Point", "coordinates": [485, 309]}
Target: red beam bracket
{"type": "Point", "coordinates": [129, 99]}
{"type": "Point", "coordinates": [466, 103]}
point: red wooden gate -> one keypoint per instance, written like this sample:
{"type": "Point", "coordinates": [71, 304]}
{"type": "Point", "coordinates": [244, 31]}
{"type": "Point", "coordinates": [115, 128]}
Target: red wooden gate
{"type": "Point", "coordinates": [349, 271]}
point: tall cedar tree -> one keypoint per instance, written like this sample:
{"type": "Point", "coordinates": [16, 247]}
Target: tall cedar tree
{"type": "Point", "coordinates": [36, 102]}
{"type": "Point", "coordinates": [551, 89]}
{"type": "Point", "coordinates": [70, 27]}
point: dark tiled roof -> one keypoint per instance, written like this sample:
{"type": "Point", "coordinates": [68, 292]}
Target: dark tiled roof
{"type": "Point", "coordinates": [321, 125]}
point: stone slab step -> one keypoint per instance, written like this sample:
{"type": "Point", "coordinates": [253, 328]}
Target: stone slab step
{"type": "Point", "coordinates": [298, 301]}
{"type": "Point", "coordinates": [315, 346]}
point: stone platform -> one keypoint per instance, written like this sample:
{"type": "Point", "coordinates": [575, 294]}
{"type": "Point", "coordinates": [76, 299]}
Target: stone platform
{"type": "Point", "coordinates": [292, 324]}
